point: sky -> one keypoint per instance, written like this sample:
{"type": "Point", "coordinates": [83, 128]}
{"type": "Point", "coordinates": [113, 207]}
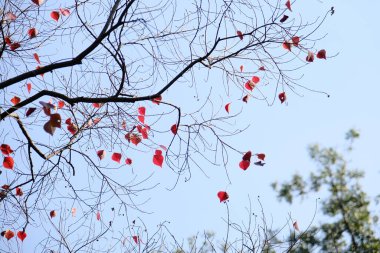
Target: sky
{"type": "Point", "coordinates": [283, 133]}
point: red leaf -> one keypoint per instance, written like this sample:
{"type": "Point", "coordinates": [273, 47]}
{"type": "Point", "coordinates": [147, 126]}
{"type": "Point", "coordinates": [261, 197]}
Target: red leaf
{"type": "Point", "coordinates": [157, 100]}
{"type": "Point", "coordinates": [14, 46]}
{"type": "Point", "coordinates": [141, 110]}
{"type": "Point", "coordinates": [284, 18]}
{"type": "Point", "coordinates": [249, 85]}
{"type": "Point", "coordinates": [19, 192]}
{"type": "Point", "coordinates": [101, 154]}
{"type": "Point", "coordinates": [97, 105]}
{"type": "Point", "coordinates": [141, 118]}
{"type": "Point", "coordinates": [288, 5]}
{"type": "Point", "coordinates": [310, 56]}
{"type": "Point", "coordinates": [321, 54]}
{"type": "Point", "coordinates": [55, 120]}
{"type": "Point", "coordinates": [227, 107]}
{"type": "Point", "coordinates": [6, 149]}
{"type": "Point", "coordinates": [73, 212]}
{"type": "Point", "coordinates": [29, 87]}
{"type": "Point", "coordinates": [287, 45]}
{"type": "Point", "coordinates": [128, 161]}
{"type": "Point", "coordinates": [32, 32]}
{"type": "Point", "coordinates": [245, 98]}
{"type": "Point", "coordinates": [9, 234]}
{"type": "Point", "coordinates": [5, 187]}
{"type": "Point", "coordinates": [295, 226]}
{"type": "Point", "coordinates": [61, 104]}
{"type": "Point", "coordinates": [223, 196]}
{"type": "Point", "coordinates": [29, 111]}
{"type": "Point", "coordinates": [54, 15]}
{"type": "Point", "coordinates": [163, 147]}
{"type": "Point", "coordinates": [282, 97]}
{"type": "Point", "coordinates": [244, 164]}
{"type": "Point", "coordinates": [15, 100]}
{"type": "Point", "coordinates": [8, 163]}
{"type": "Point", "coordinates": [98, 215]}
{"type": "Point", "coordinates": [73, 129]}
{"type": "Point", "coordinates": [174, 129]}
{"type": "Point", "coordinates": [38, 2]}
{"type": "Point", "coordinates": [158, 159]}
{"type": "Point", "coordinates": [8, 41]}
{"type": "Point", "coordinates": [136, 239]}
{"type": "Point", "coordinates": [261, 156]}
{"type": "Point", "coordinates": [296, 40]}
{"type": "Point", "coordinates": [116, 157]}
{"type": "Point", "coordinates": [68, 121]}
{"type": "Point", "coordinates": [240, 34]}
{"type": "Point", "coordinates": [10, 16]}
{"type": "Point", "coordinates": [37, 68]}
{"type": "Point", "coordinates": [21, 235]}
{"type": "Point", "coordinates": [53, 213]}
{"type": "Point", "coordinates": [135, 139]}
{"type": "Point", "coordinates": [241, 68]}
{"type": "Point", "coordinates": [64, 12]}
{"type": "Point", "coordinates": [124, 125]}
{"type": "Point", "coordinates": [256, 79]}
{"type": "Point", "coordinates": [144, 133]}
{"type": "Point", "coordinates": [247, 156]}
{"type": "Point", "coordinates": [262, 68]}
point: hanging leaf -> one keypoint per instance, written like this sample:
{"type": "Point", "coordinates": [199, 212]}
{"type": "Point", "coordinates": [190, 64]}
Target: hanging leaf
{"type": "Point", "coordinates": [288, 5]}
{"type": "Point", "coordinates": [55, 120]}
{"type": "Point", "coordinates": [53, 213]}
{"type": "Point", "coordinates": [19, 192]}
{"type": "Point", "coordinates": [158, 159]}
{"type": "Point", "coordinates": [73, 129]}
{"type": "Point", "coordinates": [296, 40]}
{"type": "Point", "coordinates": [21, 235]}
{"type": "Point", "coordinates": [135, 139]}
{"type": "Point", "coordinates": [244, 164]}
{"type": "Point", "coordinates": [227, 107]}
{"type": "Point", "coordinates": [98, 215]}
{"type": "Point", "coordinates": [256, 79]}
{"type": "Point", "coordinates": [144, 133]}
{"type": "Point", "coordinates": [38, 2]}
{"type": "Point", "coordinates": [54, 15]}
{"type": "Point", "coordinates": [249, 85]}
{"type": "Point", "coordinates": [49, 128]}
{"type": "Point", "coordinates": [247, 156]}
{"type": "Point", "coordinates": [15, 100]}
{"type": "Point", "coordinates": [8, 162]}
{"type": "Point", "coordinates": [284, 18]}
{"type": "Point", "coordinates": [174, 129]}
{"type": "Point", "coordinates": [29, 87]}
{"type": "Point", "coordinates": [9, 16]}
{"type": "Point", "coordinates": [128, 161]}
{"type": "Point", "coordinates": [261, 156]}
{"type": "Point", "coordinates": [141, 118]}
{"type": "Point", "coordinates": [157, 100]}
{"type": "Point", "coordinates": [32, 32]}
{"type": "Point", "coordinates": [286, 45]}
{"type": "Point", "coordinates": [223, 196]}
{"type": "Point", "coordinates": [5, 187]}
{"type": "Point", "coordinates": [241, 68]}
{"type": "Point", "coordinates": [310, 56]}
{"type": "Point", "coordinates": [101, 154]}
{"type": "Point", "coordinates": [29, 111]}
{"type": "Point", "coordinates": [9, 234]}
{"type": "Point", "coordinates": [282, 97]}
{"type": "Point", "coordinates": [245, 98]}
{"type": "Point", "coordinates": [136, 239]}
{"type": "Point", "coordinates": [6, 149]}
{"type": "Point", "coordinates": [141, 110]}
{"type": "Point", "coordinates": [14, 46]}
{"type": "Point", "coordinates": [116, 157]}
{"type": "Point", "coordinates": [321, 54]}
{"type": "Point", "coordinates": [64, 12]}
{"type": "Point", "coordinates": [262, 68]}
{"type": "Point", "coordinates": [240, 35]}
{"type": "Point", "coordinates": [61, 104]}
{"type": "Point", "coordinates": [97, 105]}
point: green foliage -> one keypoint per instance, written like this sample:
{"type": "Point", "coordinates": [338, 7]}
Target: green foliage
{"type": "Point", "coordinates": [349, 225]}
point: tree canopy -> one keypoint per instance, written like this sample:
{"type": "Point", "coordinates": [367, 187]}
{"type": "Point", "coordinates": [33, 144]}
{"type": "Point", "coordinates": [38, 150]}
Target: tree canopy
{"type": "Point", "coordinates": [88, 87]}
